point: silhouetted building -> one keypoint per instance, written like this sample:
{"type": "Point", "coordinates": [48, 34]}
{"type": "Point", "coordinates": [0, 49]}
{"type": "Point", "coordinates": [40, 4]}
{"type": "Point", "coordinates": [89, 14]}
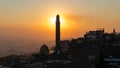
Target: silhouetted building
{"type": "Point", "coordinates": [44, 49]}
{"type": "Point", "coordinates": [94, 35]}
{"type": "Point", "coordinates": [95, 48]}
{"type": "Point", "coordinates": [65, 45]}
{"type": "Point", "coordinates": [42, 55]}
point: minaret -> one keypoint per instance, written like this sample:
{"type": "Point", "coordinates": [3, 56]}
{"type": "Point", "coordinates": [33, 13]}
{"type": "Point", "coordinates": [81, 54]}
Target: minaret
{"type": "Point", "coordinates": [58, 47]}
{"type": "Point", "coordinates": [114, 31]}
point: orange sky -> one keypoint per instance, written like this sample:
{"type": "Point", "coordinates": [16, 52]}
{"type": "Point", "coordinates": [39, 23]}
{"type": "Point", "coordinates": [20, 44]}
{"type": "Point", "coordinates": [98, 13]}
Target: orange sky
{"type": "Point", "coordinates": [29, 20]}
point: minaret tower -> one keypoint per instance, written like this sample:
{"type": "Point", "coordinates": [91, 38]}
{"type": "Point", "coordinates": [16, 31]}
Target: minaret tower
{"type": "Point", "coordinates": [114, 31]}
{"type": "Point", "coordinates": [58, 46]}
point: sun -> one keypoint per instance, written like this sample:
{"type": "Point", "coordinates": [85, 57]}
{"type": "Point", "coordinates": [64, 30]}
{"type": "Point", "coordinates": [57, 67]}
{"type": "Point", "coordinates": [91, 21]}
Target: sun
{"type": "Point", "coordinates": [53, 20]}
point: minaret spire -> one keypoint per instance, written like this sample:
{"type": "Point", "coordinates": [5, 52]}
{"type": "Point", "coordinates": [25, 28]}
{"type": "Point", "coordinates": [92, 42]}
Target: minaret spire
{"type": "Point", "coordinates": [58, 47]}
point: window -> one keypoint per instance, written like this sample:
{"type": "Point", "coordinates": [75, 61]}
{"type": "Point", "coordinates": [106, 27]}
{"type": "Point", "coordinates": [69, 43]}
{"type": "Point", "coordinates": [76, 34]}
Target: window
{"type": "Point", "coordinates": [91, 57]}
{"type": "Point", "coordinates": [91, 46]}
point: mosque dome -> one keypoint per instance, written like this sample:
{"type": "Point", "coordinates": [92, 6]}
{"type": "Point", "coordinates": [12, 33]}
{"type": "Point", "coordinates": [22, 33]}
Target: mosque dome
{"type": "Point", "coordinates": [44, 49]}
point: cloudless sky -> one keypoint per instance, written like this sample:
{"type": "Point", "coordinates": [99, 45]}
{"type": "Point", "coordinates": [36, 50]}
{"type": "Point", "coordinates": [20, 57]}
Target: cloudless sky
{"type": "Point", "coordinates": [97, 13]}
{"type": "Point", "coordinates": [103, 8]}
{"type": "Point", "coordinates": [28, 19]}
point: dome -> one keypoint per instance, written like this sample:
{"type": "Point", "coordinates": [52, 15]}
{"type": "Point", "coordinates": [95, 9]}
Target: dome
{"type": "Point", "coordinates": [44, 49]}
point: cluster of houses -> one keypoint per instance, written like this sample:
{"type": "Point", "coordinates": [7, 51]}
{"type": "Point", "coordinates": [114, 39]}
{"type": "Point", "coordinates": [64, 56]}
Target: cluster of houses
{"type": "Point", "coordinates": [97, 49]}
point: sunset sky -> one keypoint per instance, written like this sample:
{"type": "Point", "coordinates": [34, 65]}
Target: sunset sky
{"type": "Point", "coordinates": [27, 23]}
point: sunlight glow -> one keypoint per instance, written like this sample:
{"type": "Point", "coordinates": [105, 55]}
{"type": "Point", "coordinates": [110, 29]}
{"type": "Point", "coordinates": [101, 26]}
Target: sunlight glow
{"type": "Point", "coordinates": [52, 21]}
